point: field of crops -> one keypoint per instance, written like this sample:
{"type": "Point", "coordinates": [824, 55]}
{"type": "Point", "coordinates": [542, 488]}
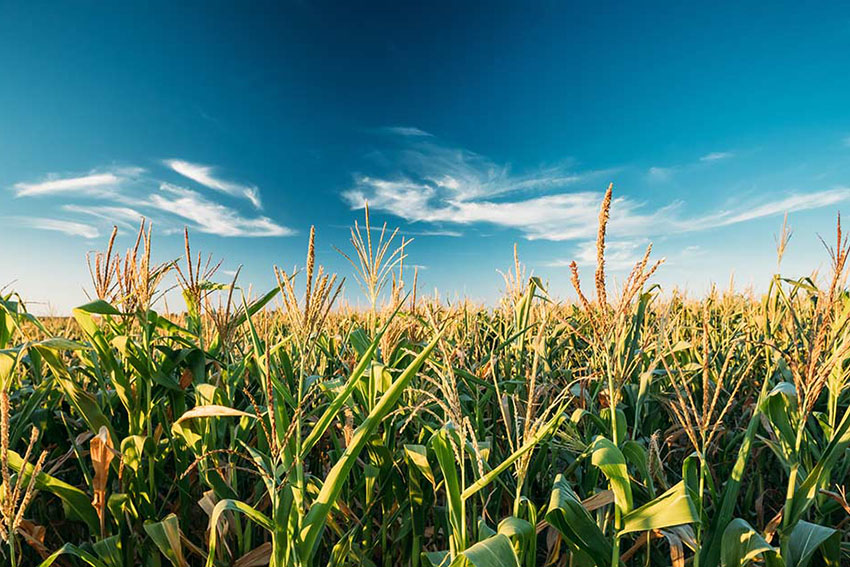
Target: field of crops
{"type": "Point", "coordinates": [628, 427]}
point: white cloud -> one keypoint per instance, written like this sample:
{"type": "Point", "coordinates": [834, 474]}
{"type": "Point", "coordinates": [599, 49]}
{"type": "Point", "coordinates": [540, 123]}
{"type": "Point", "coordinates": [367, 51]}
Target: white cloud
{"type": "Point", "coordinates": [91, 184]}
{"type": "Point", "coordinates": [67, 227]}
{"type": "Point", "coordinates": [715, 156]}
{"type": "Point", "coordinates": [122, 196]}
{"type": "Point", "coordinates": [449, 233]}
{"type": "Point", "coordinates": [660, 173]}
{"type": "Point", "coordinates": [429, 183]}
{"type": "Point", "coordinates": [789, 204]}
{"type": "Point", "coordinates": [406, 131]}
{"type": "Point", "coordinates": [203, 175]}
{"type": "Point", "coordinates": [125, 216]}
{"type": "Point", "coordinates": [435, 184]}
{"type": "Point", "coordinates": [563, 216]}
{"type": "Point", "coordinates": [406, 232]}
{"type": "Point", "coordinates": [619, 254]}
{"type": "Point", "coordinates": [211, 217]}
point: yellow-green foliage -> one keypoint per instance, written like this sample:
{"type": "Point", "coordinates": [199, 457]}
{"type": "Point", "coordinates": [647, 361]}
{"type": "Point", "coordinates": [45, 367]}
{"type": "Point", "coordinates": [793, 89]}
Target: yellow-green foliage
{"type": "Point", "coordinates": [284, 429]}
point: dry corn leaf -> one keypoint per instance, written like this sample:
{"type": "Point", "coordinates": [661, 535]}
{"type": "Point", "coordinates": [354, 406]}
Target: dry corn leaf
{"type": "Point", "coordinates": [257, 557]}
{"type": "Point", "coordinates": [102, 453]}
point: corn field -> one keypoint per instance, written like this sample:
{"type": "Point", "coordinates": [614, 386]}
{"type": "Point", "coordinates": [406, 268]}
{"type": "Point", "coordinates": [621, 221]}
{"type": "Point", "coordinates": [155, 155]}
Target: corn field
{"type": "Point", "coordinates": [627, 427]}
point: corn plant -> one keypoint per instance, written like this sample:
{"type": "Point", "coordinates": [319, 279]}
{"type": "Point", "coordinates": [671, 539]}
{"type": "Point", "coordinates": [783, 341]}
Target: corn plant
{"type": "Point", "coordinates": [630, 425]}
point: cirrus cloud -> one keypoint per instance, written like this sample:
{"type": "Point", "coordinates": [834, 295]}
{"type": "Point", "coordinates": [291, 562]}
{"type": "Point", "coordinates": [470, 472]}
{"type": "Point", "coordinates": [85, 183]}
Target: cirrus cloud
{"type": "Point", "coordinates": [56, 225]}
{"type": "Point", "coordinates": [424, 181]}
{"type": "Point", "coordinates": [210, 217]}
{"type": "Point", "coordinates": [125, 195]}
{"type": "Point", "coordinates": [94, 183]}
{"type": "Point", "coordinates": [204, 175]}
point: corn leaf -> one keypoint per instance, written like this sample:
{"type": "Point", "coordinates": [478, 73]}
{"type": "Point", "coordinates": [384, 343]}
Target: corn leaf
{"type": "Point", "coordinates": [495, 551]}
{"type": "Point", "coordinates": [576, 526]}
{"type": "Point", "coordinates": [741, 545]}
{"type": "Point", "coordinates": [235, 506]}
{"type": "Point", "coordinates": [673, 508]}
{"type": "Point", "coordinates": [442, 444]}
{"type": "Point", "coordinates": [610, 460]}
{"type": "Point", "coordinates": [78, 502]}
{"type": "Point", "coordinates": [806, 538]}
{"type": "Point", "coordinates": [166, 536]}
{"type": "Point", "coordinates": [316, 518]}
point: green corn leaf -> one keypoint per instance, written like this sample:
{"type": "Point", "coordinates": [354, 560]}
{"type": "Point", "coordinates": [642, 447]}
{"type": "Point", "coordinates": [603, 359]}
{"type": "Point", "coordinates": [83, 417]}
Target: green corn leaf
{"type": "Point", "coordinates": [8, 361]}
{"type": "Point", "coordinates": [635, 455]}
{"type": "Point", "coordinates": [673, 508]}
{"type": "Point", "coordinates": [106, 356]}
{"type": "Point", "coordinates": [806, 493]}
{"type": "Point", "coordinates": [133, 448]}
{"type": "Point", "coordinates": [541, 433]}
{"type": "Point", "coordinates": [213, 411]}
{"type": "Point", "coordinates": [85, 403]}
{"type": "Point", "coordinates": [610, 460]}
{"type": "Point", "coordinates": [315, 520]}
{"type": "Point", "coordinates": [690, 476]}
{"type": "Point", "coordinates": [605, 415]}
{"type": "Point", "coordinates": [741, 544]}
{"type": "Point", "coordinates": [516, 528]}
{"type": "Point", "coordinates": [109, 551]}
{"type": "Point", "coordinates": [779, 405]}
{"type": "Point", "coordinates": [579, 414]}
{"type": "Point", "coordinates": [71, 549]}
{"type": "Point", "coordinates": [436, 558]}
{"type": "Point", "coordinates": [495, 551]}
{"type": "Point", "coordinates": [335, 406]}
{"type": "Point", "coordinates": [166, 536]}
{"type": "Point", "coordinates": [417, 455]}
{"type": "Point", "coordinates": [442, 444]}
{"type": "Point", "coordinates": [484, 531]}
{"type": "Point", "coordinates": [235, 506]}
{"type": "Point", "coordinates": [806, 538]}
{"type": "Point", "coordinates": [78, 502]}
{"type": "Point", "coordinates": [576, 526]}
{"type": "Point", "coordinates": [522, 535]}
{"type": "Point", "coordinates": [710, 552]}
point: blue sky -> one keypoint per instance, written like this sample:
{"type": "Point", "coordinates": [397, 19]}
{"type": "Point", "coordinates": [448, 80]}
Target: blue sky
{"type": "Point", "coordinates": [470, 127]}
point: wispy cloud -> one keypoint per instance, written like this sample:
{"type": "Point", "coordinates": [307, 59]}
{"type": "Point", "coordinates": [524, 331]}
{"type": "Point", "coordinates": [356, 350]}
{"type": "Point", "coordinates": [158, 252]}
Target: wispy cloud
{"type": "Point", "coordinates": [716, 156]}
{"type": "Point", "coordinates": [123, 196]}
{"type": "Point", "coordinates": [124, 216]}
{"type": "Point", "coordinates": [406, 131]}
{"type": "Point", "coordinates": [204, 175]}
{"type": "Point", "coordinates": [663, 174]}
{"type": "Point", "coordinates": [429, 183]}
{"type": "Point", "coordinates": [789, 204]}
{"type": "Point", "coordinates": [657, 173]}
{"type": "Point", "coordinates": [210, 217]}
{"type": "Point", "coordinates": [94, 183]}
{"type": "Point", "coordinates": [449, 233]}
{"type": "Point", "coordinates": [406, 232]}
{"type": "Point", "coordinates": [551, 217]}
{"type": "Point", "coordinates": [619, 254]}
{"type": "Point", "coordinates": [68, 227]}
